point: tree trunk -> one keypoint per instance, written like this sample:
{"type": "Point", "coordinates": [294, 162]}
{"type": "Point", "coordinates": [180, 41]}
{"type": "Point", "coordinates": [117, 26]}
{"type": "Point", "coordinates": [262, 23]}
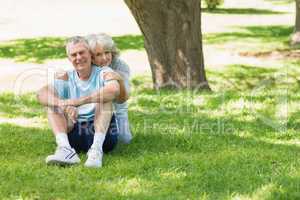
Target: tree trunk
{"type": "Point", "coordinates": [173, 41]}
{"type": "Point", "coordinates": [296, 35]}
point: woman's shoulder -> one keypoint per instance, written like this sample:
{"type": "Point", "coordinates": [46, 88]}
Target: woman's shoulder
{"type": "Point", "coordinates": [101, 70]}
{"type": "Point", "coordinates": [119, 64]}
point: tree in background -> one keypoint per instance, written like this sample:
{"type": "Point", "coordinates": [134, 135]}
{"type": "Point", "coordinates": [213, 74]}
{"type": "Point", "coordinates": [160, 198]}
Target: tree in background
{"type": "Point", "coordinates": [173, 41]}
{"type": "Point", "coordinates": [295, 39]}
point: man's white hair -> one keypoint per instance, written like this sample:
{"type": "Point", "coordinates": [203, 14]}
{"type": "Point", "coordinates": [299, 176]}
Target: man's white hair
{"type": "Point", "coordinates": [76, 40]}
{"type": "Point", "coordinates": [105, 41]}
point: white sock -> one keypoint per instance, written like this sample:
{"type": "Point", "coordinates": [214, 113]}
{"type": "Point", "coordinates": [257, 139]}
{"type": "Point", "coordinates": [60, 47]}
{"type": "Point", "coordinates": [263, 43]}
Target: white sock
{"type": "Point", "coordinates": [62, 140]}
{"type": "Point", "coordinates": [98, 141]}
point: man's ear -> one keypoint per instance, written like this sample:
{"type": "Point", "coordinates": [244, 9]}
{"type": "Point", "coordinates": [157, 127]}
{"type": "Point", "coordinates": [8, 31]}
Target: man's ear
{"type": "Point", "coordinates": [69, 58]}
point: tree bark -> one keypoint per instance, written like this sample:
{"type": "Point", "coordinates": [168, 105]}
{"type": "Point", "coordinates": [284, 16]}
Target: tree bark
{"type": "Point", "coordinates": [173, 41]}
{"type": "Point", "coordinates": [296, 35]}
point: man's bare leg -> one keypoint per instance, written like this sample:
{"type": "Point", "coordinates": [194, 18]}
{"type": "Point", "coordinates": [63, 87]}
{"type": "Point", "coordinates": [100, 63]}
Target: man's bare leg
{"type": "Point", "coordinates": [103, 114]}
{"type": "Point", "coordinates": [60, 125]}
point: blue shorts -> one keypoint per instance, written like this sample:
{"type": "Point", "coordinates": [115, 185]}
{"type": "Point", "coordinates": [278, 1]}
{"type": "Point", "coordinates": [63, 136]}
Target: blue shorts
{"type": "Point", "coordinates": [82, 136]}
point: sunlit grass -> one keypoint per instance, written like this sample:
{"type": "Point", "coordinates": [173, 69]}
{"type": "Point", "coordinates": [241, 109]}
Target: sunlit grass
{"type": "Point", "coordinates": [252, 38]}
{"type": "Point", "coordinates": [242, 39]}
{"type": "Point", "coordinates": [180, 149]}
{"type": "Point", "coordinates": [240, 141]}
{"type": "Point", "coordinates": [177, 142]}
{"type": "Point", "coordinates": [281, 2]}
{"type": "Point", "coordinates": [46, 48]}
{"type": "Point", "coordinates": [242, 11]}
{"type": "Point", "coordinates": [236, 141]}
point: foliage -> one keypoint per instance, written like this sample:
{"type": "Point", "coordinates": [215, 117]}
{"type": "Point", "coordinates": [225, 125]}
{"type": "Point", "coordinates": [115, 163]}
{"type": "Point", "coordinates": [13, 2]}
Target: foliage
{"type": "Point", "coordinates": [213, 4]}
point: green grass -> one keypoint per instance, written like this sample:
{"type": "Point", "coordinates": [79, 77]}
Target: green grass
{"type": "Point", "coordinates": [281, 2]}
{"type": "Point", "coordinates": [242, 11]}
{"type": "Point", "coordinates": [34, 50]}
{"type": "Point", "coordinates": [246, 38]}
{"type": "Point", "coordinates": [46, 48]}
{"type": "Point", "coordinates": [252, 38]}
{"type": "Point", "coordinates": [187, 145]}
{"type": "Point", "coordinates": [12, 106]}
{"type": "Point", "coordinates": [240, 141]}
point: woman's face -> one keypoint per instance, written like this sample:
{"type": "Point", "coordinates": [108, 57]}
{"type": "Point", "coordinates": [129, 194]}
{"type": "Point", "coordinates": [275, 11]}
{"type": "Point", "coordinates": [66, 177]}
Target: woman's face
{"type": "Point", "coordinates": [101, 57]}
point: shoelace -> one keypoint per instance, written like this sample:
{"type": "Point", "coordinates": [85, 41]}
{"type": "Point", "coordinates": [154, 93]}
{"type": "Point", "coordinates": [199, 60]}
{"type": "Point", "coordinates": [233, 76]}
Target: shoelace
{"type": "Point", "coordinates": [62, 149]}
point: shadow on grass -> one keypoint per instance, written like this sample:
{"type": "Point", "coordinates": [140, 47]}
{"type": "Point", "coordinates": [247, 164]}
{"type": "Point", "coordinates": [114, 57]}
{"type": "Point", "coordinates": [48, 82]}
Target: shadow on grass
{"type": "Point", "coordinates": [207, 149]}
{"type": "Point", "coordinates": [234, 78]}
{"type": "Point", "coordinates": [263, 33]}
{"type": "Point", "coordinates": [242, 11]}
{"type": "Point", "coordinates": [207, 161]}
{"type": "Point", "coordinates": [23, 106]}
{"type": "Point", "coordinates": [214, 150]}
{"type": "Point", "coordinates": [41, 49]}
{"type": "Point", "coordinates": [243, 77]}
{"type": "Point", "coordinates": [216, 166]}
{"type": "Point", "coordinates": [33, 50]}
{"type": "Point", "coordinates": [27, 138]}
{"type": "Point", "coordinates": [219, 114]}
{"type": "Point", "coordinates": [190, 162]}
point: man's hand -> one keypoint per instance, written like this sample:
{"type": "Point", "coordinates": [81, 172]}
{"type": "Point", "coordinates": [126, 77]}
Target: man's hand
{"type": "Point", "coordinates": [68, 106]}
{"type": "Point", "coordinates": [69, 102]}
{"type": "Point", "coordinates": [123, 94]}
{"type": "Point", "coordinates": [112, 76]}
{"type": "Point", "coordinates": [71, 113]}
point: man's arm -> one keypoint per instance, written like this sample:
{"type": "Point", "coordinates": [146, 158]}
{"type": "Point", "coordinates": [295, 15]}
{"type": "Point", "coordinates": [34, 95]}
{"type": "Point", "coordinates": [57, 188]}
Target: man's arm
{"type": "Point", "coordinates": [48, 97]}
{"type": "Point", "coordinates": [123, 95]}
{"type": "Point", "coordinates": [105, 94]}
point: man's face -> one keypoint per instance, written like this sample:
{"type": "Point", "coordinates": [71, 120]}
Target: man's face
{"type": "Point", "coordinates": [79, 56]}
{"type": "Point", "coordinates": [101, 57]}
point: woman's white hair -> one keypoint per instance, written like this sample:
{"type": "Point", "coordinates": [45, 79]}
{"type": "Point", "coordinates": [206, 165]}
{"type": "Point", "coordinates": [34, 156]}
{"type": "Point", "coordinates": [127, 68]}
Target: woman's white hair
{"type": "Point", "coordinates": [105, 41]}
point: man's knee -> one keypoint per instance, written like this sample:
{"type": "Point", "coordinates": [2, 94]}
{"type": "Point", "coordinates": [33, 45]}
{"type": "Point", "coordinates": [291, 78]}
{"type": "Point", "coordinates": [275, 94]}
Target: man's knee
{"type": "Point", "coordinates": [56, 114]}
{"type": "Point", "coordinates": [103, 116]}
{"type": "Point", "coordinates": [54, 109]}
{"type": "Point", "coordinates": [104, 108]}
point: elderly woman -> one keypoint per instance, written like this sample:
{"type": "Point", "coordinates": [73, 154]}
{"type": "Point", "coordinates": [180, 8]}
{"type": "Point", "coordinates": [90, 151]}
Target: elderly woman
{"type": "Point", "coordinates": [105, 53]}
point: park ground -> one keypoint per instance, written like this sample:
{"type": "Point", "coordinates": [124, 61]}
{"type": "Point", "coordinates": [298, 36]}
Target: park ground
{"type": "Point", "coordinates": [240, 141]}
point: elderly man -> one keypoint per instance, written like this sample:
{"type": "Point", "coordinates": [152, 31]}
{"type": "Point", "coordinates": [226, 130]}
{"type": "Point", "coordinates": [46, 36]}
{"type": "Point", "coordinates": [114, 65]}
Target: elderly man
{"type": "Point", "coordinates": [90, 127]}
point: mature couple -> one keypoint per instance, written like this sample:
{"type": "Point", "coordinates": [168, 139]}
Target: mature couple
{"type": "Point", "coordinates": [87, 108]}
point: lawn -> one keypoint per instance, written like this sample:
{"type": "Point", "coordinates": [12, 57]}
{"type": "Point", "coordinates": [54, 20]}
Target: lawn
{"type": "Point", "coordinates": [234, 142]}
{"type": "Point", "coordinates": [47, 48]}
{"type": "Point", "coordinates": [239, 141]}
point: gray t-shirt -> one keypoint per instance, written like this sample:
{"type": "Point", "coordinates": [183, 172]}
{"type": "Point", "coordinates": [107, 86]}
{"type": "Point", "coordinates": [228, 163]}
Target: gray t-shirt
{"type": "Point", "coordinates": [121, 109]}
{"type": "Point", "coordinates": [122, 68]}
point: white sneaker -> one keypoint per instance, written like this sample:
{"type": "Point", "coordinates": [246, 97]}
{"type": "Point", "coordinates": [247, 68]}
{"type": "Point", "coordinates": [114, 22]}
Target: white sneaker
{"type": "Point", "coordinates": [94, 158]}
{"type": "Point", "coordinates": [63, 156]}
